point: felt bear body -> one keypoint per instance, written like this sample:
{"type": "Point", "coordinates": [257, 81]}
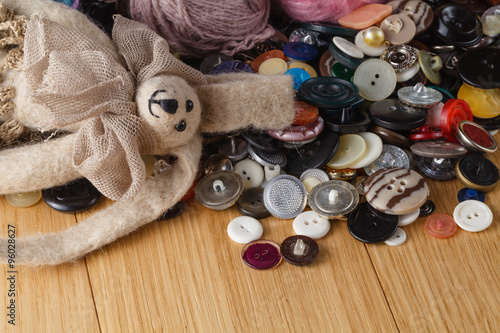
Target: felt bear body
{"type": "Point", "coordinates": [149, 103]}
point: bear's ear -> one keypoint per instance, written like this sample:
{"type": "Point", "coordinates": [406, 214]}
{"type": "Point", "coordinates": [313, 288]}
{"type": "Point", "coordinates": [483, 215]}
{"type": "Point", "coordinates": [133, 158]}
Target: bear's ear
{"type": "Point", "coordinates": [233, 101]}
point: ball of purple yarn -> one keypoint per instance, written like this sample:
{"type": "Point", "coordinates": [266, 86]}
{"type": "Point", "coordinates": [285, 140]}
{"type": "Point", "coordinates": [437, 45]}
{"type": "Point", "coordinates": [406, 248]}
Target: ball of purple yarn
{"type": "Point", "coordinates": [196, 28]}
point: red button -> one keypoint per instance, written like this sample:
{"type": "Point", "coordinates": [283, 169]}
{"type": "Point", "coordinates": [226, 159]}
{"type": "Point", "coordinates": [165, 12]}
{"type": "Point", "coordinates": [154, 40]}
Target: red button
{"type": "Point", "coordinates": [305, 113]}
{"type": "Point", "coordinates": [453, 112]}
{"type": "Point", "coordinates": [426, 133]}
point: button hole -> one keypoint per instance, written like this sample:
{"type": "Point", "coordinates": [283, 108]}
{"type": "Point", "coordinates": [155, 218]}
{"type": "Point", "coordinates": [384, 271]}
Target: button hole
{"type": "Point", "coordinates": [469, 217]}
{"type": "Point", "coordinates": [403, 182]}
{"type": "Point", "coordinates": [244, 172]}
{"type": "Point", "coordinates": [476, 214]}
{"type": "Point", "coordinates": [401, 189]}
{"type": "Point", "coordinates": [373, 83]}
{"type": "Point", "coordinates": [315, 221]}
{"type": "Point", "coordinates": [374, 224]}
{"type": "Point", "coordinates": [390, 187]}
{"type": "Point", "coordinates": [377, 76]}
{"type": "Point", "coordinates": [306, 223]}
{"type": "Point", "coordinates": [248, 178]}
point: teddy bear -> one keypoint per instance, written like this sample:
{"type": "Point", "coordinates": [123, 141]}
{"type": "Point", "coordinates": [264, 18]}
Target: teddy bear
{"type": "Point", "coordinates": [105, 101]}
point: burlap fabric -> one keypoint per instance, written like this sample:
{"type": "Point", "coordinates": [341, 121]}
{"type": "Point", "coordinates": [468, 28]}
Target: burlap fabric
{"type": "Point", "coordinates": [79, 79]}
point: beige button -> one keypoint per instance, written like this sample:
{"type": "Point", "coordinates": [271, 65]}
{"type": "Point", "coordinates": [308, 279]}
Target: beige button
{"type": "Point", "coordinates": [431, 65]}
{"type": "Point", "coordinates": [375, 79]}
{"type": "Point", "coordinates": [23, 200]}
{"type": "Point", "coordinates": [352, 147]}
{"type": "Point", "coordinates": [273, 66]}
{"type": "Point", "coordinates": [398, 29]}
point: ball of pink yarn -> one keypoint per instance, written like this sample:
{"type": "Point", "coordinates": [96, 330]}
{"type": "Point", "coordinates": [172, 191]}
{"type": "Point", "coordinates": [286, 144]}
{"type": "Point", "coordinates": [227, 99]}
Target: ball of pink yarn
{"type": "Point", "coordinates": [321, 10]}
{"type": "Point", "coordinates": [196, 28]}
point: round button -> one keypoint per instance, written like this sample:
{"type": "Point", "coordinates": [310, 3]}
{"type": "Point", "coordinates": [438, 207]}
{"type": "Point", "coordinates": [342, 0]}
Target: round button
{"type": "Point", "coordinates": [244, 229]}
{"type": "Point", "coordinates": [300, 51]}
{"type": "Point", "coordinates": [348, 121]}
{"type": "Point", "coordinates": [344, 58]}
{"type": "Point", "coordinates": [409, 218]}
{"type": "Point", "coordinates": [477, 172]}
{"type": "Point", "coordinates": [391, 137]}
{"type": "Point", "coordinates": [347, 47]}
{"type": "Point", "coordinates": [26, 199]}
{"type": "Point", "coordinates": [299, 76]}
{"type": "Point", "coordinates": [261, 254]}
{"type": "Point", "coordinates": [427, 208]}
{"type": "Point", "coordinates": [457, 26]}
{"type": "Point", "coordinates": [484, 103]}
{"type": "Point", "coordinates": [208, 63]}
{"type": "Point", "coordinates": [312, 177]}
{"type": "Point", "coordinates": [420, 12]}
{"type": "Point", "coordinates": [175, 211]}
{"type": "Point", "coordinates": [453, 112]}
{"type": "Point", "coordinates": [328, 92]}
{"type": "Point", "coordinates": [333, 199]}
{"type": "Point", "coordinates": [262, 140]}
{"type": "Point", "coordinates": [234, 148]}
{"type": "Point", "coordinates": [219, 190]}
{"type": "Point", "coordinates": [480, 67]}
{"type": "Point", "coordinates": [299, 250]}
{"type": "Point", "coordinates": [398, 29]}
{"type": "Point", "coordinates": [426, 132]}
{"type": "Point", "coordinates": [306, 67]}
{"type": "Point", "coordinates": [437, 168]}
{"type": "Point", "coordinates": [251, 203]}
{"type": "Point", "coordinates": [250, 172]}
{"type": "Point", "coordinates": [368, 225]}
{"type": "Point", "coordinates": [352, 148]}
{"type": "Point", "coordinates": [419, 96]}
{"type": "Point", "coordinates": [490, 21]}
{"type": "Point", "coordinates": [267, 159]}
{"type": "Point", "coordinates": [299, 132]}
{"type": "Point", "coordinates": [325, 64]}
{"type": "Point", "coordinates": [396, 191]}
{"type": "Point", "coordinates": [329, 29]}
{"type": "Point", "coordinates": [373, 35]}
{"type": "Point", "coordinates": [400, 57]}
{"type": "Point", "coordinates": [75, 196]}
{"type": "Point", "coordinates": [310, 224]}
{"type": "Point", "coordinates": [341, 174]}
{"type": "Point", "coordinates": [217, 162]}
{"type": "Point", "coordinates": [470, 194]}
{"type": "Point", "coordinates": [273, 66]}
{"type": "Point", "coordinates": [431, 66]}
{"type": "Point", "coordinates": [410, 75]}
{"type": "Point", "coordinates": [365, 16]}
{"type": "Point", "coordinates": [232, 66]}
{"type": "Point", "coordinates": [440, 226]}
{"type": "Point", "coordinates": [475, 138]}
{"type": "Point", "coordinates": [266, 56]}
{"type": "Point", "coordinates": [399, 238]}
{"type": "Point", "coordinates": [285, 197]}
{"type": "Point", "coordinates": [375, 79]}
{"type": "Point", "coordinates": [395, 115]}
{"type": "Point", "coordinates": [438, 149]}
{"type": "Point", "coordinates": [473, 215]}
{"type": "Point", "coordinates": [305, 113]}
{"type": "Point", "coordinates": [390, 157]}
{"type": "Point", "coordinates": [374, 148]}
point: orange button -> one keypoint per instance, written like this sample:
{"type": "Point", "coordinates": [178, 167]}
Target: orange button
{"type": "Point", "coordinates": [265, 56]}
{"type": "Point", "coordinates": [305, 113]}
{"type": "Point", "coordinates": [365, 16]}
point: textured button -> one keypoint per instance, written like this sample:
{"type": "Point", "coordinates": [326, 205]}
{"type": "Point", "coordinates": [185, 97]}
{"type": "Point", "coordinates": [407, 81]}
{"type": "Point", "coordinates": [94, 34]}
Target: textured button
{"type": "Point", "coordinates": [313, 177]}
{"type": "Point", "coordinates": [480, 67]}
{"type": "Point", "coordinates": [299, 132]}
{"type": "Point", "coordinates": [266, 56]}
{"type": "Point", "coordinates": [273, 66]}
{"type": "Point", "coordinates": [437, 168]}
{"type": "Point", "coordinates": [365, 16]}
{"type": "Point", "coordinates": [438, 149]}
{"type": "Point", "coordinates": [374, 148]}
{"type": "Point", "coordinates": [427, 208]}
{"type": "Point", "coordinates": [261, 254]}
{"type": "Point", "coordinates": [484, 103]}
{"type": "Point", "coordinates": [310, 224]}
{"type": "Point", "coordinates": [304, 66]}
{"type": "Point", "coordinates": [475, 138]}
{"type": "Point", "coordinates": [251, 203]}
{"type": "Point", "coordinates": [264, 141]}
{"type": "Point", "coordinates": [420, 12]}
{"type": "Point", "coordinates": [396, 191]}
{"type": "Point", "coordinates": [234, 148]}
{"type": "Point", "coordinates": [399, 238]}
{"type": "Point", "coordinates": [431, 66]}
{"type": "Point", "coordinates": [368, 225]}
{"type": "Point", "coordinates": [219, 190]}
{"type": "Point", "coordinates": [395, 115]}
{"type": "Point", "coordinates": [398, 29]}
{"type": "Point", "coordinates": [299, 76]}
{"type": "Point", "coordinates": [470, 194]}
{"type": "Point", "coordinates": [26, 199]}
{"type": "Point", "coordinates": [400, 57]}
{"type": "Point", "coordinates": [352, 148]}
{"type": "Point", "coordinates": [285, 197]}
{"type": "Point", "coordinates": [440, 226]}
{"type": "Point", "coordinates": [267, 159]}
{"type": "Point", "coordinates": [175, 211]}
{"type": "Point", "coordinates": [342, 72]}
{"type": "Point", "coordinates": [347, 47]}
{"type": "Point", "coordinates": [419, 96]}
{"type": "Point", "coordinates": [313, 155]}
{"type": "Point", "coordinates": [300, 51]}
{"type": "Point", "coordinates": [473, 215]}
{"type": "Point", "coordinates": [391, 156]}
{"type": "Point", "coordinates": [409, 218]}
{"type": "Point", "coordinates": [375, 79]}
{"type": "Point", "coordinates": [328, 92]}
{"type": "Point", "coordinates": [411, 74]}
{"type": "Point", "coordinates": [250, 172]}
{"type": "Point", "coordinates": [373, 35]}
{"type": "Point", "coordinates": [305, 113]}
{"type": "Point", "coordinates": [341, 174]}
{"type": "Point", "coordinates": [244, 229]}
{"type": "Point", "coordinates": [299, 250]}
{"type": "Point", "coordinates": [74, 196]}
{"type": "Point", "coordinates": [333, 199]}
{"type": "Point", "coordinates": [232, 66]}
{"type": "Point", "coordinates": [457, 26]}
{"type": "Point", "coordinates": [477, 172]}
{"type": "Point", "coordinates": [217, 162]}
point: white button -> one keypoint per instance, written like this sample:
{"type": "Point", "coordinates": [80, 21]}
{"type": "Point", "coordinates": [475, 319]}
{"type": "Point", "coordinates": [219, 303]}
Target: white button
{"type": "Point", "coordinates": [244, 229]}
{"type": "Point", "coordinates": [407, 74]}
{"type": "Point", "coordinates": [407, 219]}
{"type": "Point", "coordinates": [348, 48]}
{"type": "Point", "coordinates": [251, 172]}
{"type": "Point", "coordinates": [368, 50]}
{"type": "Point", "coordinates": [352, 148]}
{"type": "Point", "coordinates": [375, 79]}
{"type": "Point", "coordinates": [399, 238]}
{"type": "Point", "coordinates": [24, 200]}
{"type": "Point", "coordinates": [374, 146]}
{"type": "Point", "coordinates": [311, 225]}
{"type": "Point", "coordinates": [473, 215]}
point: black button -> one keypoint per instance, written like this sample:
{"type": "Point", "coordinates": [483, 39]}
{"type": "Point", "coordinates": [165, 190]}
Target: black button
{"type": "Point", "coordinates": [368, 225]}
{"type": "Point", "coordinates": [208, 64]}
{"type": "Point", "coordinates": [480, 67]}
{"type": "Point", "coordinates": [348, 122]}
{"type": "Point", "coordinates": [427, 208]}
{"type": "Point", "coordinates": [72, 197]}
{"type": "Point", "coordinates": [391, 137]}
{"type": "Point", "coordinates": [251, 203]}
{"type": "Point", "coordinates": [264, 141]}
{"type": "Point", "coordinates": [328, 92]}
{"type": "Point", "coordinates": [457, 26]}
{"type": "Point", "coordinates": [299, 250]}
{"type": "Point", "coordinates": [437, 168]}
{"type": "Point", "coordinates": [395, 115]}
{"type": "Point", "coordinates": [489, 124]}
{"type": "Point", "coordinates": [330, 29]}
{"type": "Point", "coordinates": [313, 155]}
{"type": "Point", "coordinates": [344, 58]}
{"type": "Point", "coordinates": [175, 211]}
{"type": "Point", "coordinates": [477, 172]}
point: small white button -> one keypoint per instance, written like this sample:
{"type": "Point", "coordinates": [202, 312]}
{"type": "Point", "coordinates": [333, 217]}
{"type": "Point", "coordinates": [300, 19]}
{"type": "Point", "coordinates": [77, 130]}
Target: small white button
{"type": "Point", "coordinates": [311, 225]}
{"type": "Point", "coordinates": [251, 172]}
{"type": "Point", "coordinates": [244, 229]}
{"type": "Point", "coordinates": [407, 219]}
{"type": "Point", "coordinates": [399, 238]}
{"type": "Point", "coordinates": [473, 215]}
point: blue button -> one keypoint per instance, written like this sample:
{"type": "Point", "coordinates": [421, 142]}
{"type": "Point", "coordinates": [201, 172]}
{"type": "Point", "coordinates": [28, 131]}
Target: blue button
{"type": "Point", "coordinates": [299, 75]}
{"type": "Point", "coordinates": [300, 51]}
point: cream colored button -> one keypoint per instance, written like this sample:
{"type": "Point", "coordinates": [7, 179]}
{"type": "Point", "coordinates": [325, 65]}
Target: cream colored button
{"type": "Point", "coordinates": [365, 48]}
{"type": "Point", "coordinates": [352, 147]}
{"type": "Point", "coordinates": [407, 219]}
{"type": "Point", "coordinates": [273, 66]}
{"type": "Point", "coordinates": [399, 238]}
{"type": "Point", "coordinates": [407, 74]}
{"type": "Point", "coordinates": [348, 48]}
{"type": "Point", "coordinates": [375, 79]}
{"type": "Point", "coordinates": [374, 146]}
{"type": "Point", "coordinates": [398, 29]}
{"type": "Point", "coordinates": [23, 200]}
{"type": "Point", "coordinates": [251, 172]}
{"type": "Point", "coordinates": [473, 215]}
{"type": "Point", "coordinates": [302, 65]}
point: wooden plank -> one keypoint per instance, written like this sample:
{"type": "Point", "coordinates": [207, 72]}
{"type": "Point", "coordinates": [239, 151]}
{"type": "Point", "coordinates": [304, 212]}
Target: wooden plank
{"type": "Point", "coordinates": [48, 299]}
{"type": "Point", "coordinates": [185, 274]}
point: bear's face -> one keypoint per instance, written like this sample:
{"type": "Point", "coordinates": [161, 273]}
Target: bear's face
{"type": "Point", "coordinates": [170, 107]}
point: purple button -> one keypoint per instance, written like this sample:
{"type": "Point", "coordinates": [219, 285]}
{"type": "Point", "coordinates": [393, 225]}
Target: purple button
{"type": "Point", "coordinates": [299, 132]}
{"type": "Point", "coordinates": [261, 254]}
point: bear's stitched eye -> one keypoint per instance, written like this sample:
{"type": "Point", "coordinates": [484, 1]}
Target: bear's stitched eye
{"type": "Point", "coordinates": [189, 105]}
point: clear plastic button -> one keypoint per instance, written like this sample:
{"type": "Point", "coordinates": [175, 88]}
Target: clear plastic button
{"type": "Point", "coordinates": [219, 190]}
{"type": "Point", "coordinates": [285, 197]}
{"type": "Point", "coordinates": [333, 199]}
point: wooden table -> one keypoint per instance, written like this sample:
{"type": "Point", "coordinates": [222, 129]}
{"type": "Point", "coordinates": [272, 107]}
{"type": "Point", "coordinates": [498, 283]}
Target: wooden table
{"type": "Point", "coordinates": [185, 274]}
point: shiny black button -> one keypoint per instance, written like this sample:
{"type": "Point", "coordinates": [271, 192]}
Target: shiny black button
{"type": "Point", "coordinates": [299, 250]}
{"type": "Point", "coordinates": [480, 67]}
{"type": "Point", "coordinates": [330, 29]}
{"type": "Point", "coordinates": [427, 208]}
{"type": "Point", "coordinates": [175, 211]}
{"type": "Point", "coordinates": [313, 155]}
{"type": "Point", "coordinates": [395, 115]}
{"type": "Point", "coordinates": [348, 122]}
{"type": "Point", "coordinates": [251, 203]}
{"type": "Point", "coordinates": [457, 26]}
{"type": "Point", "coordinates": [328, 92]}
{"type": "Point", "coordinates": [72, 197]}
{"type": "Point", "coordinates": [263, 141]}
{"type": "Point", "coordinates": [207, 65]}
{"type": "Point", "coordinates": [368, 225]}
{"type": "Point", "coordinates": [477, 172]}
